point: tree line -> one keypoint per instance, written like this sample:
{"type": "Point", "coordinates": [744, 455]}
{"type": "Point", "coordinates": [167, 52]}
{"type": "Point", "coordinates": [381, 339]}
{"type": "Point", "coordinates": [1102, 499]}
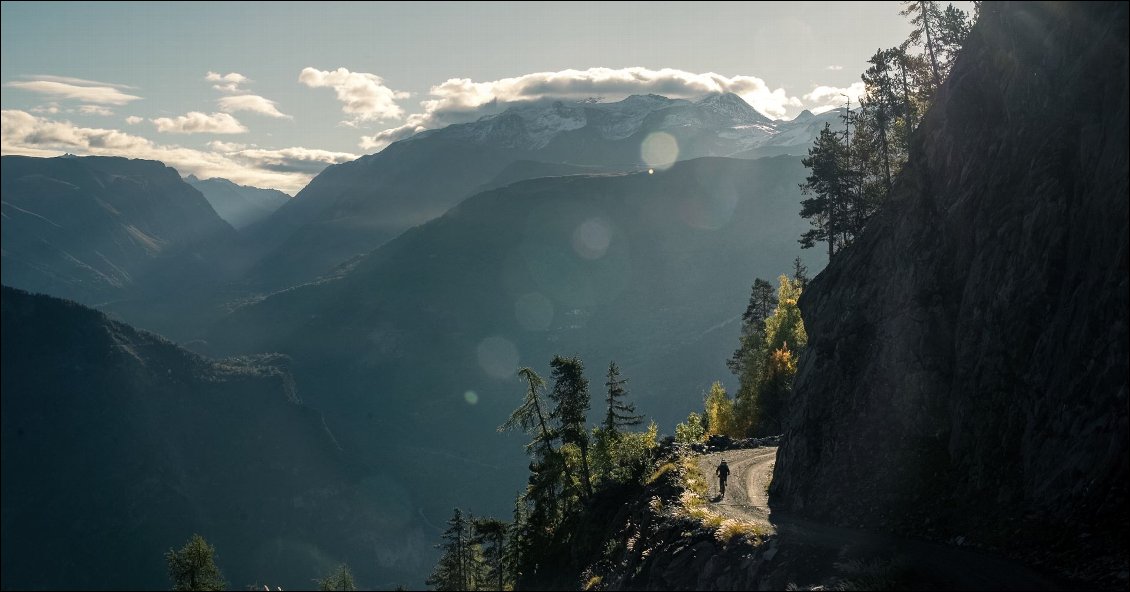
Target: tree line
{"type": "Point", "coordinates": [571, 463]}
{"type": "Point", "coordinates": [852, 168]}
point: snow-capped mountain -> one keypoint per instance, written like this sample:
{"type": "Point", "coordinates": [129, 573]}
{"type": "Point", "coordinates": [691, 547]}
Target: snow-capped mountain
{"type": "Point", "coordinates": [354, 207]}
{"type": "Point", "coordinates": [536, 125]}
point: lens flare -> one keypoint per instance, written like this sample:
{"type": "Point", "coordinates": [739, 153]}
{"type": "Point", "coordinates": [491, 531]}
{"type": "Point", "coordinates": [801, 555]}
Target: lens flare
{"type": "Point", "coordinates": [659, 150]}
{"type": "Point", "coordinates": [471, 397]}
{"type": "Point", "coordinates": [498, 357]}
{"type": "Point", "coordinates": [591, 238]}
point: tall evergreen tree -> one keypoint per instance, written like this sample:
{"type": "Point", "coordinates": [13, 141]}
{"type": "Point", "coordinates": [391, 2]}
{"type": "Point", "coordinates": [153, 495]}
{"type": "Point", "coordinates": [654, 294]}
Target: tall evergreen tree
{"type": "Point", "coordinates": [453, 570]}
{"type": "Point", "coordinates": [531, 416]}
{"type": "Point", "coordinates": [829, 184]}
{"type": "Point", "coordinates": [547, 465]}
{"type": "Point", "coordinates": [571, 394]}
{"type": "Point", "coordinates": [924, 15]}
{"type": "Point", "coordinates": [490, 534]}
{"type": "Point", "coordinates": [883, 104]}
{"type": "Point", "coordinates": [193, 567]}
{"type": "Point", "coordinates": [340, 579]}
{"type": "Point", "coordinates": [953, 28]}
{"type": "Point", "coordinates": [800, 274]}
{"type": "Point", "coordinates": [620, 413]}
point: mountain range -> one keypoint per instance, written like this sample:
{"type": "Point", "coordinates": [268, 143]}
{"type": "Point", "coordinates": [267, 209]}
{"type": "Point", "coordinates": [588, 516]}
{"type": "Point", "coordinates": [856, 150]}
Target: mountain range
{"type": "Point", "coordinates": [238, 205]}
{"type": "Point", "coordinates": [352, 208]}
{"type": "Point", "coordinates": [404, 290]}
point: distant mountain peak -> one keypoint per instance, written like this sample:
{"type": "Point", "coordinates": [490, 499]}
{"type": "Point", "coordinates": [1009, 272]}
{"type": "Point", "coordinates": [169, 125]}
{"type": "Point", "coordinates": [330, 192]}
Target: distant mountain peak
{"type": "Point", "coordinates": [805, 115]}
{"type": "Point", "coordinates": [731, 107]}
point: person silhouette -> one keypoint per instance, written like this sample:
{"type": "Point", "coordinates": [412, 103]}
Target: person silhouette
{"type": "Point", "coordinates": [723, 471]}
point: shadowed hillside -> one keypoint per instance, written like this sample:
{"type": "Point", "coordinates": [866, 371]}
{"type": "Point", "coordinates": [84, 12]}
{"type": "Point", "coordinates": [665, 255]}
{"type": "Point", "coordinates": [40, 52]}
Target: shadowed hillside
{"type": "Point", "coordinates": [966, 371]}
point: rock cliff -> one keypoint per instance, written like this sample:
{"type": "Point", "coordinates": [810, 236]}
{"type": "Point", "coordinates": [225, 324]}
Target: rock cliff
{"type": "Point", "coordinates": [966, 372]}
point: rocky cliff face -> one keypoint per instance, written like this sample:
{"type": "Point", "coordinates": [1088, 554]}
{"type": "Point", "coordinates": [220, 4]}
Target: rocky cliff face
{"type": "Point", "coordinates": [967, 365]}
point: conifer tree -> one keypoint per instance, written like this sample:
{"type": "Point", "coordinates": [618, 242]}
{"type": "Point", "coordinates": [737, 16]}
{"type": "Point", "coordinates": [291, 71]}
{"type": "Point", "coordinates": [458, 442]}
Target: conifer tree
{"type": "Point", "coordinates": [924, 15]}
{"type": "Point", "coordinates": [800, 273]}
{"type": "Point", "coordinates": [620, 413]}
{"type": "Point", "coordinates": [829, 184]}
{"type": "Point", "coordinates": [340, 579]}
{"type": "Point", "coordinates": [453, 570]}
{"type": "Point", "coordinates": [571, 395]}
{"type": "Point", "coordinates": [193, 567]}
{"type": "Point", "coordinates": [490, 535]}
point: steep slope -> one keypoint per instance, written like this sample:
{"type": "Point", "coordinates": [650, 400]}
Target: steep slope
{"type": "Point", "coordinates": [350, 209]}
{"type": "Point", "coordinates": [98, 228]}
{"type": "Point", "coordinates": [238, 205]}
{"type": "Point", "coordinates": [966, 372]}
{"type": "Point", "coordinates": [130, 444]}
{"type": "Point", "coordinates": [415, 350]}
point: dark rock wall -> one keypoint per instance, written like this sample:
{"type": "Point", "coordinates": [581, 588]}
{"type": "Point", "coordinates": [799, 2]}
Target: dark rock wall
{"type": "Point", "coordinates": [967, 362]}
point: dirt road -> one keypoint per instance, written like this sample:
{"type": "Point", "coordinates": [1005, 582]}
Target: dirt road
{"type": "Point", "coordinates": [747, 496]}
{"type": "Point", "coordinates": [899, 562]}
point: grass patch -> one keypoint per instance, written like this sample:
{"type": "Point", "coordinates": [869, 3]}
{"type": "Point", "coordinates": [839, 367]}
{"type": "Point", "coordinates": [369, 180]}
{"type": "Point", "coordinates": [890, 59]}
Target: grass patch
{"type": "Point", "coordinates": [661, 471]}
{"type": "Point", "coordinates": [729, 529]}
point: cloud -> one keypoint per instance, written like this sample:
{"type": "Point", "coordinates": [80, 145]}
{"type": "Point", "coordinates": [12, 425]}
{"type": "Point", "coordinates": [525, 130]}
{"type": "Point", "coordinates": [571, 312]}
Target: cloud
{"type": "Point", "coordinates": [134, 120]}
{"type": "Point", "coordinates": [253, 103]}
{"type": "Point", "coordinates": [837, 68]}
{"type": "Point", "coordinates": [461, 99]}
{"type": "Point", "coordinates": [76, 81]}
{"type": "Point", "coordinates": [363, 95]}
{"type": "Point", "coordinates": [195, 122]}
{"type": "Point", "coordinates": [227, 82]}
{"type": "Point", "coordinates": [287, 169]}
{"type": "Point", "coordinates": [99, 95]}
{"type": "Point", "coordinates": [824, 98]}
{"type": "Point", "coordinates": [284, 160]}
{"type": "Point", "coordinates": [49, 109]}
{"type": "Point", "coordinates": [95, 110]}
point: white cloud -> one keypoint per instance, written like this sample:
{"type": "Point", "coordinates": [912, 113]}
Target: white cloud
{"type": "Point", "coordinates": [284, 160]}
{"type": "Point", "coordinates": [49, 109]}
{"type": "Point", "coordinates": [226, 82]}
{"type": "Point", "coordinates": [195, 122]}
{"type": "Point", "coordinates": [287, 169]}
{"type": "Point", "coordinates": [99, 95]}
{"type": "Point", "coordinates": [76, 81]}
{"type": "Point", "coordinates": [837, 68]}
{"type": "Point", "coordinates": [461, 99]}
{"type": "Point", "coordinates": [95, 110]}
{"type": "Point", "coordinates": [824, 98]}
{"type": "Point", "coordinates": [363, 95]}
{"type": "Point", "coordinates": [253, 103]}
{"type": "Point", "coordinates": [134, 120]}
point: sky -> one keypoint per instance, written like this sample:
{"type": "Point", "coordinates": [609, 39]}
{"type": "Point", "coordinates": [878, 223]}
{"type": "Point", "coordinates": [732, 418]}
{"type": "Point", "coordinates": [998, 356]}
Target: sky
{"type": "Point", "coordinates": [268, 94]}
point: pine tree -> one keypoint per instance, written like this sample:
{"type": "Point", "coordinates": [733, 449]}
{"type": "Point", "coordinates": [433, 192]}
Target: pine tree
{"type": "Point", "coordinates": [953, 29]}
{"type": "Point", "coordinates": [340, 579]}
{"type": "Point", "coordinates": [453, 571]}
{"type": "Point", "coordinates": [830, 185]}
{"type": "Point", "coordinates": [571, 394]}
{"type": "Point", "coordinates": [194, 566]}
{"type": "Point", "coordinates": [620, 413]}
{"type": "Point", "coordinates": [924, 15]}
{"type": "Point", "coordinates": [490, 534]}
{"type": "Point", "coordinates": [800, 273]}
{"type": "Point", "coordinates": [882, 102]}
{"type": "Point", "coordinates": [547, 465]}
{"type": "Point", "coordinates": [531, 415]}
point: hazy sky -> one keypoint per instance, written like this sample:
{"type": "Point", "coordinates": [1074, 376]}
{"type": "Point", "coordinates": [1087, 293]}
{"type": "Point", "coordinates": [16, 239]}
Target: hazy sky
{"type": "Point", "coordinates": [270, 93]}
